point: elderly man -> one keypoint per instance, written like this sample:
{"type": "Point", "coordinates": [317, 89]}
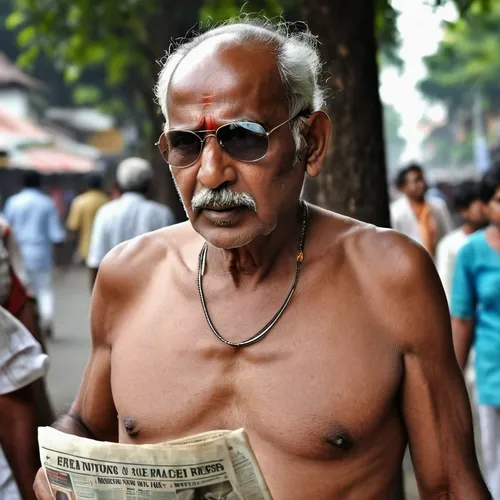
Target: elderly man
{"type": "Point", "coordinates": [264, 312]}
{"type": "Point", "coordinates": [128, 216]}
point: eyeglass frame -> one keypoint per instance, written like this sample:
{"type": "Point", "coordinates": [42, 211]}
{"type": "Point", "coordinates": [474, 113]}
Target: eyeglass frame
{"type": "Point", "coordinates": [203, 139]}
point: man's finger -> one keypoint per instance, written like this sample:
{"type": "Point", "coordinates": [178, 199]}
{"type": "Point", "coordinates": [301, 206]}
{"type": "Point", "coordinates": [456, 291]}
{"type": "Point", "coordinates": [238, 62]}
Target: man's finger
{"type": "Point", "coordinates": [41, 486]}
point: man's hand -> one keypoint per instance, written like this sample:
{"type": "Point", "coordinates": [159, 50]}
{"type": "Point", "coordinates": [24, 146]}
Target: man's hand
{"type": "Point", "coordinates": [41, 486]}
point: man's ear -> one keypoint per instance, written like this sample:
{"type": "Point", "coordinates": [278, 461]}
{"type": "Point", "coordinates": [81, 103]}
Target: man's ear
{"type": "Point", "coordinates": [317, 135]}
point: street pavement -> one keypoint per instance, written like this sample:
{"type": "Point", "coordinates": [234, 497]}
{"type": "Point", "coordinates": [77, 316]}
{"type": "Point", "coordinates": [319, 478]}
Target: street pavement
{"type": "Point", "coordinates": [70, 347]}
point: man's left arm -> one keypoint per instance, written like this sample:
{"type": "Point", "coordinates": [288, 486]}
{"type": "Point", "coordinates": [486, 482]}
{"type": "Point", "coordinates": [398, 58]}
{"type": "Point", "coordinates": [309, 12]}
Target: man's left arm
{"type": "Point", "coordinates": [435, 404]}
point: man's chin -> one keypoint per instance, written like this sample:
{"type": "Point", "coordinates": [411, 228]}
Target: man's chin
{"type": "Point", "coordinates": [227, 236]}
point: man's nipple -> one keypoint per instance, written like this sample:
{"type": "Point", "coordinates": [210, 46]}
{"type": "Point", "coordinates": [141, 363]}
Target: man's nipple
{"type": "Point", "coordinates": [130, 427]}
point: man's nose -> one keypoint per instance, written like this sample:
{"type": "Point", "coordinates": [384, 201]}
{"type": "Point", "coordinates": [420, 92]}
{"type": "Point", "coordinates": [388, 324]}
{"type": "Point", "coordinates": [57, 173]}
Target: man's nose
{"type": "Point", "coordinates": [216, 167]}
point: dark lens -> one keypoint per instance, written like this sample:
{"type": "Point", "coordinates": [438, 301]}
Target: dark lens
{"type": "Point", "coordinates": [245, 141]}
{"type": "Point", "coordinates": [182, 148]}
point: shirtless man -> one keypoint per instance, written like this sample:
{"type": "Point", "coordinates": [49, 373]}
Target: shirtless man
{"type": "Point", "coordinates": [361, 359]}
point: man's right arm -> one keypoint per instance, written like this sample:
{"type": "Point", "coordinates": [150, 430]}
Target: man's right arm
{"type": "Point", "coordinates": [93, 414]}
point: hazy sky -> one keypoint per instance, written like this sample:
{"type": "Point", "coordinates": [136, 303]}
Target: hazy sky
{"type": "Point", "coordinates": [419, 25]}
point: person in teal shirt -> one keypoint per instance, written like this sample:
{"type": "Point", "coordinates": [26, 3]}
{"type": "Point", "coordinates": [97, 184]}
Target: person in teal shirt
{"type": "Point", "coordinates": [475, 311]}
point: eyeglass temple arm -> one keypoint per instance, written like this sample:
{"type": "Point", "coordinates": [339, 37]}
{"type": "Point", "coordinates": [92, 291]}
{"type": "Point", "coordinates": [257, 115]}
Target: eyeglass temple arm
{"type": "Point", "coordinates": [303, 114]}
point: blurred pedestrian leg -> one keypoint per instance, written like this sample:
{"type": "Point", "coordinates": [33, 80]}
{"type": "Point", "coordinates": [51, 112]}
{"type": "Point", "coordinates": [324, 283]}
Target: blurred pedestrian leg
{"type": "Point", "coordinates": [41, 281]}
{"type": "Point", "coordinates": [489, 423]}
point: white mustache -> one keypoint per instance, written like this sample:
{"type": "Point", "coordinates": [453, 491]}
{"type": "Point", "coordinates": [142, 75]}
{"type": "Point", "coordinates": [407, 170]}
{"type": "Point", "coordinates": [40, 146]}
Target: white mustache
{"type": "Point", "coordinates": [222, 198]}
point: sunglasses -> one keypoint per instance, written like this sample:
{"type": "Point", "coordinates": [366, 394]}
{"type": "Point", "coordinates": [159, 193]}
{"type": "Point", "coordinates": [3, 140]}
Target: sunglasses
{"type": "Point", "coordinates": [244, 141]}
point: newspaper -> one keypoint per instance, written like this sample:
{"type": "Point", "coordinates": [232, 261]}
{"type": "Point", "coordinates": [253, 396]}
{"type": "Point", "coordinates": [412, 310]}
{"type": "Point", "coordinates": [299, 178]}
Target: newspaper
{"type": "Point", "coordinates": [217, 465]}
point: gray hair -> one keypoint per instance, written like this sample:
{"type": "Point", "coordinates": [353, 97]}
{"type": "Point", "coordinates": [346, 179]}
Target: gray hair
{"type": "Point", "coordinates": [134, 174]}
{"type": "Point", "coordinates": [297, 58]}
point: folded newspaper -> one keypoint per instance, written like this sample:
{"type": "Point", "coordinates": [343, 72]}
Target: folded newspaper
{"type": "Point", "coordinates": [217, 465]}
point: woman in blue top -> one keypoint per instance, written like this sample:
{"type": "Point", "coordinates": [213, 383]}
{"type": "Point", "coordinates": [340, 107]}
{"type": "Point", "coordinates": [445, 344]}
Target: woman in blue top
{"type": "Point", "coordinates": [475, 310]}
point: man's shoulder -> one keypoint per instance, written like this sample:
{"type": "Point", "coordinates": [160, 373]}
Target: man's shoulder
{"type": "Point", "coordinates": [13, 200]}
{"type": "Point", "coordinates": [141, 255]}
{"type": "Point", "coordinates": [399, 201]}
{"type": "Point", "coordinates": [452, 239]}
{"type": "Point", "coordinates": [474, 244]}
{"type": "Point", "coordinates": [88, 197]}
{"type": "Point", "coordinates": [43, 199]}
{"type": "Point", "coordinates": [437, 203]}
{"type": "Point", "coordinates": [398, 206]}
{"type": "Point", "coordinates": [109, 208]}
{"type": "Point", "coordinates": [393, 274]}
{"type": "Point", "coordinates": [78, 200]}
{"type": "Point", "coordinates": [368, 249]}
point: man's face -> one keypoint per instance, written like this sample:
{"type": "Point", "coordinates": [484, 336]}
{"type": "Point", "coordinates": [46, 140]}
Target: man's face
{"type": "Point", "coordinates": [218, 83]}
{"type": "Point", "coordinates": [475, 214]}
{"type": "Point", "coordinates": [493, 209]}
{"type": "Point", "coordinates": [415, 185]}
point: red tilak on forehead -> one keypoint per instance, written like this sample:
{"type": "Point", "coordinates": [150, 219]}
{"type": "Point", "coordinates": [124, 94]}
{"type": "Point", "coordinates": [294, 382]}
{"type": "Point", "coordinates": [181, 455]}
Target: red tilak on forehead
{"type": "Point", "coordinates": [210, 123]}
{"type": "Point", "coordinates": [206, 123]}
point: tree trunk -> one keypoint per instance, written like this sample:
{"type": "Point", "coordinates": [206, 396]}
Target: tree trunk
{"type": "Point", "coordinates": [353, 181]}
{"type": "Point", "coordinates": [173, 20]}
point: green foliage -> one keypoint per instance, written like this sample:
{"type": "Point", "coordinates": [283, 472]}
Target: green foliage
{"type": "Point", "coordinates": [68, 32]}
{"type": "Point", "coordinates": [467, 61]}
{"type": "Point", "coordinates": [219, 10]}
{"type": "Point", "coordinates": [122, 39]}
{"type": "Point", "coordinates": [118, 39]}
{"type": "Point", "coordinates": [386, 30]}
{"type": "Point", "coordinates": [463, 6]}
{"type": "Point", "coordinates": [85, 95]}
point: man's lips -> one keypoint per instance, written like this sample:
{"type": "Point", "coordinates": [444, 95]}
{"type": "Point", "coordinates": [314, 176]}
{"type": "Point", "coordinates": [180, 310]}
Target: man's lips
{"type": "Point", "coordinates": [224, 213]}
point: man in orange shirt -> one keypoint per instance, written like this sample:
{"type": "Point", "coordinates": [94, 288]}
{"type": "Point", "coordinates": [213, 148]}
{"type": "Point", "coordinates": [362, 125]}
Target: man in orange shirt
{"type": "Point", "coordinates": [425, 219]}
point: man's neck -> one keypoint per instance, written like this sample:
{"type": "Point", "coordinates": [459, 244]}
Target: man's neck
{"type": "Point", "coordinates": [262, 256]}
{"type": "Point", "coordinates": [416, 201]}
{"type": "Point", "coordinates": [493, 237]}
{"type": "Point", "coordinates": [469, 228]}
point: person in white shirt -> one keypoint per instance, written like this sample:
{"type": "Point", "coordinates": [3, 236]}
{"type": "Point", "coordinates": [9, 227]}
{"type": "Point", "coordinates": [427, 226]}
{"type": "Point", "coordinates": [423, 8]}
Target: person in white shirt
{"type": "Point", "coordinates": [467, 202]}
{"type": "Point", "coordinates": [128, 216]}
{"type": "Point", "coordinates": [425, 219]}
{"type": "Point", "coordinates": [22, 363]}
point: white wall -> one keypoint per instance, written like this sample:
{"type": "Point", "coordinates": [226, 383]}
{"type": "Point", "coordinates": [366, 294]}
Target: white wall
{"type": "Point", "coordinates": [15, 101]}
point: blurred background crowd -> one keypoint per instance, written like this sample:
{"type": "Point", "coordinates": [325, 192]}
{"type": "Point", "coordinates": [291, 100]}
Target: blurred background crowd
{"type": "Point", "coordinates": [414, 97]}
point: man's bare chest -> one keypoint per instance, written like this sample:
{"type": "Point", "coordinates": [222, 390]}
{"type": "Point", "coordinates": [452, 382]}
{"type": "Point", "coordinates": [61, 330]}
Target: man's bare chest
{"type": "Point", "coordinates": [314, 377]}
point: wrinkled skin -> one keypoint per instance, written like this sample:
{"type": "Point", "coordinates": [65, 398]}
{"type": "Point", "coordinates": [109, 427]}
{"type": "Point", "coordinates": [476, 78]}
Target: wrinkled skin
{"type": "Point", "coordinates": [351, 371]}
